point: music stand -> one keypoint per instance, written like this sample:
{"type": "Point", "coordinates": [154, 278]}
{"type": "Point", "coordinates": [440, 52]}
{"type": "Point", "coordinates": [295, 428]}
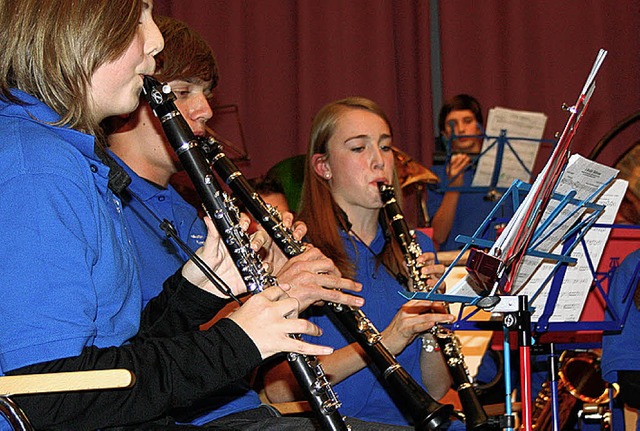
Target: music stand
{"type": "Point", "coordinates": [501, 143]}
{"type": "Point", "coordinates": [515, 309]}
{"type": "Point", "coordinates": [482, 198]}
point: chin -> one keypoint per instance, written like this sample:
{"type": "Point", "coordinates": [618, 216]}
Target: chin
{"type": "Point", "coordinates": [135, 105]}
{"type": "Point", "coordinates": [132, 105]}
{"type": "Point", "coordinates": [467, 146]}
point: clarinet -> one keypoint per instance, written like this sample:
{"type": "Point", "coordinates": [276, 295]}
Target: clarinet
{"type": "Point", "coordinates": [226, 216]}
{"type": "Point", "coordinates": [475, 417]}
{"type": "Point", "coordinates": [426, 412]}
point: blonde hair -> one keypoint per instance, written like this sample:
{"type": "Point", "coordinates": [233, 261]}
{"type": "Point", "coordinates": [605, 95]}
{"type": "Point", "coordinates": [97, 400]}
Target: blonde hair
{"type": "Point", "coordinates": [50, 50]}
{"type": "Point", "coordinates": [318, 209]}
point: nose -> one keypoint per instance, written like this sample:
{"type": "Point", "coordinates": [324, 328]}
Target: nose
{"type": "Point", "coordinates": [460, 128]}
{"type": "Point", "coordinates": [153, 40]}
{"type": "Point", "coordinates": [199, 109]}
{"type": "Point", "coordinates": [377, 159]}
{"type": "Point", "coordinates": [466, 129]}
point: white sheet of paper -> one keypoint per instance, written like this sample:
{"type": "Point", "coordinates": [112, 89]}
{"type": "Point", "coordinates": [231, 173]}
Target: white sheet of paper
{"type": "Point", "coordinates": [584, 176]}
{"type": "Point", "coordinates": [578, 278]}
{"type": "Point", "coordinates": [517, 124]}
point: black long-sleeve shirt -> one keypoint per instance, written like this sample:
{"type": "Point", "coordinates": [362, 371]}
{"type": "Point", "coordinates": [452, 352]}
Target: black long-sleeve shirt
{"type": "Point", "coordinates": [175, 365]}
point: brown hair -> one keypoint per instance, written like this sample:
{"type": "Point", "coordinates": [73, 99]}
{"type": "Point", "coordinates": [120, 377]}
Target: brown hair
{"type": "Point", "coordinates": [50, 50]}
{"type": "Point", "coordinates": [460, 102]}
{"type": "Point", "coordinates": [324, 221]}
{"type": "Point", "coordinates": [186, 54]}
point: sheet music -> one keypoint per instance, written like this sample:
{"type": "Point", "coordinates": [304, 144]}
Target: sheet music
{"type": "Point", "coordinates": [578, 278]}
{"type": "Point", "coordinates": [518, 124]}
{"type": "Point", "coordinates": [585, 177]}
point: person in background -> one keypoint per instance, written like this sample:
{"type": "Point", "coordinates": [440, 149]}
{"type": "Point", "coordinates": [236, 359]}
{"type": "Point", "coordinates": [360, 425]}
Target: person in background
{"type": "Point", "coordinates": [70, 272]}
{"type": "Point", "coordinates": [621, 349]}
{"type": "Point", "coordinates": [349, 154]}
{"type": "Point", "coordinates": [138, 143]}
{"type": "Point", "coordinates": [290, 174]}
{"type": "Point", "coordinates": [272, 193]}
{"type": "Point", "coordinates": [455, 212]}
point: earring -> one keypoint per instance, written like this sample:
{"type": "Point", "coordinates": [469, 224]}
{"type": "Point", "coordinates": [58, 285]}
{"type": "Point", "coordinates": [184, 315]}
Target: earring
{"type": "Point", "coordinates": [327, 175]}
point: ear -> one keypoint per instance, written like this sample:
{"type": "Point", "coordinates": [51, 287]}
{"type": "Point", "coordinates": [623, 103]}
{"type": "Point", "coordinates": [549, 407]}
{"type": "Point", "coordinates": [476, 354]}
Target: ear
{"type": "Point", "coordinates": [321, 166]}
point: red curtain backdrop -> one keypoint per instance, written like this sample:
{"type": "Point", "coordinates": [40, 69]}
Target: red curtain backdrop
{"type": "Point", "coordinates": [535, 55]}
{"type": "Point", "coordinates": [281, 60]}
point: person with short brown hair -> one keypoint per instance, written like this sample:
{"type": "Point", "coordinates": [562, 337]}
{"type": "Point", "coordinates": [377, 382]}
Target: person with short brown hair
{"type": "Point", "coordinates": [454, 207]}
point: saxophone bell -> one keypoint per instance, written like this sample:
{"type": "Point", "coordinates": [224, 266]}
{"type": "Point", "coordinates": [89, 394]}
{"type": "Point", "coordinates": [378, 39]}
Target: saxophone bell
{"type": "Point", "coordinates": [579, 379]}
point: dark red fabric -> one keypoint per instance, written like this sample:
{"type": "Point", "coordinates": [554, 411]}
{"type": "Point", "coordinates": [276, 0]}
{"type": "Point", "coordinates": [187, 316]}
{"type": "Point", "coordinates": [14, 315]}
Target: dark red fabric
{"type": "Point", "coordinates": [281, 60]}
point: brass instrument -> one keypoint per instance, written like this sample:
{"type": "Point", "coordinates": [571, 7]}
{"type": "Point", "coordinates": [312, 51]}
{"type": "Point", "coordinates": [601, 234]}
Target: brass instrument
{"type": "Point", "coordinates": [413, 177]}
{"type": "Point", "coordinates": [579, 379]}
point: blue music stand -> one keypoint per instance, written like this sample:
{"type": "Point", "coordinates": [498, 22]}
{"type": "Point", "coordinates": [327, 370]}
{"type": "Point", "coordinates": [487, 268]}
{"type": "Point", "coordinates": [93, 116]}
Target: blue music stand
{"type": "Point", "coordinates": [501, 142]}
{"type": "Point", "coordinates": [514, 316]}
{"type": "Point", "coordinates": [515, 193]}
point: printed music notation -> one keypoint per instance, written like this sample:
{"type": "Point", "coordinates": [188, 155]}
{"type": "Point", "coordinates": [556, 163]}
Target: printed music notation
{"type": "Point", "coordinates": [518, 125]}
{"type": "Point", "coordinates": [585, 177]}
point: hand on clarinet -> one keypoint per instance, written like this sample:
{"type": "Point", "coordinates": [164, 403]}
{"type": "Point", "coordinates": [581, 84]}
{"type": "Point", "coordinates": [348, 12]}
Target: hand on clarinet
{"type": "Point", "coordinates": [314, 278]}
{"type": "Point", "coordinates": [415, 317]}
{"type": "Point", "coordinates": [271, 253]}
{"type": "Point", "coordinates": [432, 270]}
{"type": "Point", "coordinates": [215, 254]}
{"type": "Point", "coordinates": [270, 316]}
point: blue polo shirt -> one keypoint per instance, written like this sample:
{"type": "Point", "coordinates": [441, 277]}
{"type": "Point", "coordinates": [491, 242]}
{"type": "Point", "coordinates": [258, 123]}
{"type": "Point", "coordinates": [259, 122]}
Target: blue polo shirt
{"type": "Point", "coordinates": [159, 258]}
{"type": "Point", "coordinates": [69, 278]}
{"type": "Point", "coordinates": [145, 207]}
{"type": "Point", "coordinates": [471, 211]}
{"type": "Point", "coordinates": [616, 354]}
{"type": "Point", "coordinates": [621, 351]}
{"type": "Point", "coordinates": [362, 395]}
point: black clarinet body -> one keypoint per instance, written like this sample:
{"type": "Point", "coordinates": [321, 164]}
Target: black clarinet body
{"type": "Point", "coordinates": [409, 246]}
{"type": "Point", "coordinates": [225, 216]}
{"type": "Point", "coordinates": [426, 412]}
{"type": "Point", "coordinates": [475, 417]}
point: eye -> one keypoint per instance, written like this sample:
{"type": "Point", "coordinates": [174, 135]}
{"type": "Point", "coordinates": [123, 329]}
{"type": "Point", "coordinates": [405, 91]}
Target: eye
{"type": "Point", "coordinates": [145, 8]}
{"type": "Point", "coordinates": [181, 93]}
{"type": "Point", "coordinates": [385, 142]}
